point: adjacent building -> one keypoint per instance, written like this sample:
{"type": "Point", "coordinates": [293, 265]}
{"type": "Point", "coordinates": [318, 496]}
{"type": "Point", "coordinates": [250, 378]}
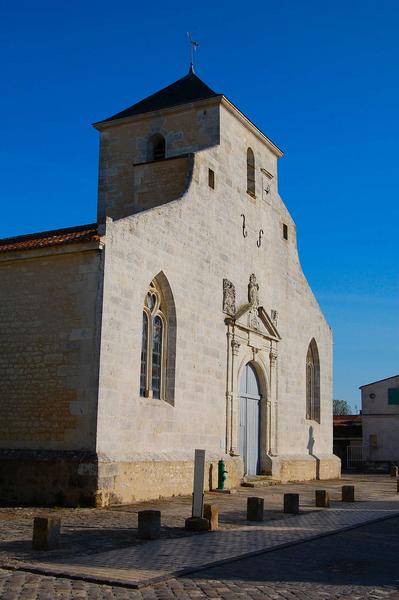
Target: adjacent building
{"type": "Point", "coordinates": [380, 416]}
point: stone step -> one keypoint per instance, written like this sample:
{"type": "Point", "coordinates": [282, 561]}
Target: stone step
{"type": "Point", "coordinates": [260, 481]}
{"type": "Point", "coordinates": [257, 477]}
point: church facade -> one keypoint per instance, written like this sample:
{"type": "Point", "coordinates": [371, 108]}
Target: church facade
{"type": "Point", "coordinates": [181, 319]}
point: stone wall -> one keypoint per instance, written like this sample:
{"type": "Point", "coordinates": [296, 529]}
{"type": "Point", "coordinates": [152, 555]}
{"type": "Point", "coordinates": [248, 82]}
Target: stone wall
{"type": "Point", "coordinates": [194, 243]}
{"type": "Point", "coordinates": [160, 182]}
{"type": "Point", "coordinates": [130, 481]}
{"type": "Point", "coordinates": [48, 478]}
{"type": "Point", "coordinates": [187, 128]}
{"type": "Point", "coordinates": [49, 338]}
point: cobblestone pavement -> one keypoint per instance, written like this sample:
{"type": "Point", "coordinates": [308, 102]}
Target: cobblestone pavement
{"type": "Point", "coordinates": [361, 564]}
{"type": "Point", "coordinates": [88, 530]}
{"type": "Point", "coordinates": [160, 559]}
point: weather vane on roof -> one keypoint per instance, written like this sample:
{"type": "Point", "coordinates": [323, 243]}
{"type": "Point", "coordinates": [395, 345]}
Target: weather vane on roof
{"type": "Point", "coordinates": [193, 46]}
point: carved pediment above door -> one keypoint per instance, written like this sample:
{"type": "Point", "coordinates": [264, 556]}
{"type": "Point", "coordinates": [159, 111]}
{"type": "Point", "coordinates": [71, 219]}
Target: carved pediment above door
{"type": "Point", "coordinates": [253, 317]}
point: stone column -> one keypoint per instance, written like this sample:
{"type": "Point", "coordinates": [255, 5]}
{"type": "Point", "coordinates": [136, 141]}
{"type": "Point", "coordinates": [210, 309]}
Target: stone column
{"type": "Point", "coordinates": [273, 446]}
{"type": "Point", "coordinates": [235, 347]}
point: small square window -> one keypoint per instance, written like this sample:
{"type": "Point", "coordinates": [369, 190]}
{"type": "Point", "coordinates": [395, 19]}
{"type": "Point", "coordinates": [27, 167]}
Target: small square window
{"type": "Point", "coordinates": [211, 179]}
{"type": "Point", "coordinates": [285, 231]}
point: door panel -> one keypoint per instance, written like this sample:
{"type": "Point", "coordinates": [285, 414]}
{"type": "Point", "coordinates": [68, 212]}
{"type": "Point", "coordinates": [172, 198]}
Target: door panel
{"type": "Point", "coordinates": [252, 436]}
{"type": "Point", "coordinates": [249, 420]}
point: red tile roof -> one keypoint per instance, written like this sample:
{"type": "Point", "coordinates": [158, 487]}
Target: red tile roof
{"type": "Point", "coordinates": [347, 419]}
{"type": "Point", "coordinates": [56, 237]}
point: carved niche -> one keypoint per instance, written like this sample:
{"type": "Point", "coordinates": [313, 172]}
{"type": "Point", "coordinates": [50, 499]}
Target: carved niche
{"type": "Point", "coordinates": [229, 297]}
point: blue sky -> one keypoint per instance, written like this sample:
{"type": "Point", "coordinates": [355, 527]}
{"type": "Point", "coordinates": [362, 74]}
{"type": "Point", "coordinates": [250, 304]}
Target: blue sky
{"type": "Point", "coordinates": [319, 78]}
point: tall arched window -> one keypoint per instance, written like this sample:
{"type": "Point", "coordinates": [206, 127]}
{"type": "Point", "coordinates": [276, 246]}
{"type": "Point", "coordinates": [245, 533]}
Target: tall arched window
{"type": "Point", "coordinates": [313, 383]}
{"type": "Point", "coordinates": [250, 172]}
{"type": "Point", "coordinates": [157, 147]}
{"type": "Point", "coordinates": [158, 342]}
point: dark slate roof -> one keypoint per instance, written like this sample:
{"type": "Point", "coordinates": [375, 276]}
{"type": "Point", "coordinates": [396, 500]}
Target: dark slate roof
{"type": "Point", "coordinates": [56, 237]}
{"type": "Point", "coordinates": [189, 88]}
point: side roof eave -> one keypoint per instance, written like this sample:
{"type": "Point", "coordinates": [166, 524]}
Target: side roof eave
{"type": "Point", "coordinates": [378, 381]}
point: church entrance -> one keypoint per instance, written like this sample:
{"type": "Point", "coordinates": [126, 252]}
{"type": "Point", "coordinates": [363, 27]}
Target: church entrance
{"type": "Point", "coordinates": [250, 398]}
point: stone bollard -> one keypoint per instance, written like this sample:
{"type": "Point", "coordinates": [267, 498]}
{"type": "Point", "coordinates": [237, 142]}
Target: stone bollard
{"type": "Point", "coordinates": [322, 499]}
{"type": "Point", "coordinates": [394, 471]}
{"type": "Point", "coordinates": [255, 508]}
{"type": "Point", "coordinates": [46, 533]}
{"type": "Point", "coordinates": [149, 524]}
{"type": "Point", "coordinates": [196, 524]}
{"type": "Point", "coordinates": [348, 493]}
{"type": "Point", "coordinates": [291, 504]}
{"type": "Point", "coordinates": [211, 513]}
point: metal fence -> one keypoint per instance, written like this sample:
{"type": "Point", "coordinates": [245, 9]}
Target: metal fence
{"type": "Point", "coordinates": [354, 457]}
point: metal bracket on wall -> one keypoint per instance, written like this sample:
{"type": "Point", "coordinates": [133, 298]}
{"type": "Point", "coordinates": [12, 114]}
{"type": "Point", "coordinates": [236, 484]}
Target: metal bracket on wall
{"type": "Point", "coordinates": [244, 229]}
{"type": "Point", "coordinates": [259, 241]}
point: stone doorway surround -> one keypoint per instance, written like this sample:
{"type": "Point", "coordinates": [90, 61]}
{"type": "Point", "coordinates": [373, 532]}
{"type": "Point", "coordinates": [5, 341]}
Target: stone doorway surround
{"type": "Point", "coordinates": [252, 337]}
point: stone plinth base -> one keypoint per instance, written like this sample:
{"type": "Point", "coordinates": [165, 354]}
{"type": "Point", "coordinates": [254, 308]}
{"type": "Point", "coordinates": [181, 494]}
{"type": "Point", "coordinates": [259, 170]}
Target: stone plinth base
{"type": "Point", "coordinates": [125, 482]}
{"type": "Point", "coordinates": [55, 478]}
{"type": "Point", "coordinates": [211, 514]}
{"type": "Point", "coordinates": [303, 467]}
{"type": "Point", "coordinates": [149, 524]}
{"type": "Point", "coordinates": [196, 524]}
{"type": "Point", "coordinates": [291, 504]}
{"type": "Point", "coordinates": [46, 533]}
{"type": "Point", "coordinates": [255, 508]}
{"type": "Point", "coordinates": [348, 493]}
{"type": "Point", "coordinates": [322, 499]}
{"type": "Point", "coordinates": [47, 478]}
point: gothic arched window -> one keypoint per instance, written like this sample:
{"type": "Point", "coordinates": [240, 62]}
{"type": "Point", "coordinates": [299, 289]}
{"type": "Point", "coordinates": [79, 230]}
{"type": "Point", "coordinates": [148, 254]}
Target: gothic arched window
{"type": "Point", "coordinates": [250, 172]}
{"type": "Point", "coordinates": [313, 383]}
{"type": "Point", "coordinates": [157, 147]}
{"type": "Point", "coordinates": [154, 344]}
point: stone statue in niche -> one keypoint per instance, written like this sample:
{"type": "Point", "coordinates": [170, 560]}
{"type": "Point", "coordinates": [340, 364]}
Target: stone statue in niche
{"type": "Point", "coordinates": [274, 316]}
{"type": "Point", "coordinates": [253, 299]}
{"type": "Point", "coordinates": [229, 297]}
{"type": "Point", "coordinates": [253, 291]}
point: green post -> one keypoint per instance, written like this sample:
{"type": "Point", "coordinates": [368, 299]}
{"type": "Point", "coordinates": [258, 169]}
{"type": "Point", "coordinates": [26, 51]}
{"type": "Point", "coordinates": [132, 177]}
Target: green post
{"type": "Point", "coordinates": [221, 474]}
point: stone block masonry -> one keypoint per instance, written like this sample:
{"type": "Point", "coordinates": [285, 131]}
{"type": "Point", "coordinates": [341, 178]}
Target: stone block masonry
{"type": "Point", "coordinates": [46, 533]}
{"type": "Point", "coordinates": [255, 508]}
{"type": "Point", "coordinates": [49, 335]}
{"type": "Point", "coordinates": [291, 503]}
{"type": "Point", "coordinates": [149, 524]}
{"type": "Point", "coordinates": [348, 493]}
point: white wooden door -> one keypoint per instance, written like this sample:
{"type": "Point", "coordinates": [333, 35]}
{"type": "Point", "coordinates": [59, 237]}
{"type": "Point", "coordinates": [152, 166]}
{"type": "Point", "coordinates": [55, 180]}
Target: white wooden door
{"type": "Point", "coordinates": [250, 420]}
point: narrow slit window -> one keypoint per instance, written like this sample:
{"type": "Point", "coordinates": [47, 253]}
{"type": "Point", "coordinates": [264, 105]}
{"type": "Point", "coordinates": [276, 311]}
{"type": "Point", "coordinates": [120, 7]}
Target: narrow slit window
{"type": "Point", "coordinates": [250, 172]}
{"type": "Point", "coordinates": [211, 179]}
{"type": "Point", "coordinates": [157, 147]}
{"type": "Point", "coordinates": [285, 231]}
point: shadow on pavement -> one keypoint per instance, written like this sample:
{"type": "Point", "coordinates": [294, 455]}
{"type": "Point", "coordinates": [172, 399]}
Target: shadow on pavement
{"type": "Point", "coordinates": [368, 555]}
